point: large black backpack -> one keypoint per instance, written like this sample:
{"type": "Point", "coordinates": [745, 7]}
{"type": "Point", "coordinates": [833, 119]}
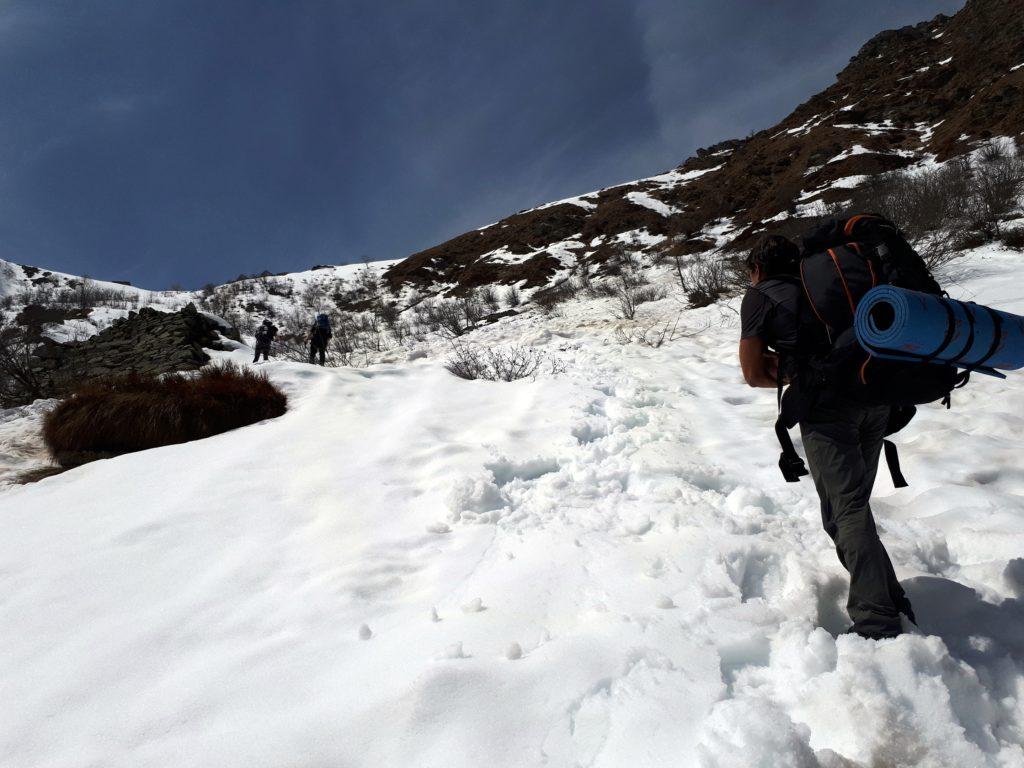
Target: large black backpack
{"type": "Point", "coordinates": [841, 261]}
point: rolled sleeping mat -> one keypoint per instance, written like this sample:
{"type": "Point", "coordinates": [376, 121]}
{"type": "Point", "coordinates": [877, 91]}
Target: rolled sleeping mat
{"type": "Point", "coordinates": [899, 324]}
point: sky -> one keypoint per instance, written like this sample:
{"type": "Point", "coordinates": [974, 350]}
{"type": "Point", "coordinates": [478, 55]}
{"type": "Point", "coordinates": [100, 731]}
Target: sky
{"type": "Point", "coordinates": [180, 142]}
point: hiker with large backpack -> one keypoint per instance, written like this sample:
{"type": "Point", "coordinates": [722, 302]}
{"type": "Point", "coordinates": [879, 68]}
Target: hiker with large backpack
{"type": "Point", "coordinates": [264, 338]}
{"type": "Point", "coordinates": [798, 329]}
{"type": "Point", "coordinates": [319, 336]}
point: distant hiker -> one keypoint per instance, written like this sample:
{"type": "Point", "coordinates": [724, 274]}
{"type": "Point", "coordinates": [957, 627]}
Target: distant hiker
{"type": "Point", "coordinates": [264, 338]}
{"type": "Point", "coordinates": [319, 336]}
{"type": "Point", "coordinates": [842, 437]}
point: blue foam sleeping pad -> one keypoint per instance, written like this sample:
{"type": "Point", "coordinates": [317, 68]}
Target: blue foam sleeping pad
{"type": "Point", "coordinates": [896, 323]}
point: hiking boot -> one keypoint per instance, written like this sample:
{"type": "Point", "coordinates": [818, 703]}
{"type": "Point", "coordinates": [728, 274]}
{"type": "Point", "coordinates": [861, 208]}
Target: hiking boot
{"type": "Point", "coordinates": [873, 634]}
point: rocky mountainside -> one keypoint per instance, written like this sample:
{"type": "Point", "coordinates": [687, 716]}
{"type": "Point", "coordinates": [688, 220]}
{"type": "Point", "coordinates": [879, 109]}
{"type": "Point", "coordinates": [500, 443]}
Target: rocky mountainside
{"type": "Point", "coordinates": [910, 98]}
{"type": "Point", "coordinates": [925, 92]}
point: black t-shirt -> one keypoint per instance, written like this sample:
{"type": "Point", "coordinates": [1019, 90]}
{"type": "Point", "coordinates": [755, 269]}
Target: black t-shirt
{"type": "Point", "coordinates": [771, 310]}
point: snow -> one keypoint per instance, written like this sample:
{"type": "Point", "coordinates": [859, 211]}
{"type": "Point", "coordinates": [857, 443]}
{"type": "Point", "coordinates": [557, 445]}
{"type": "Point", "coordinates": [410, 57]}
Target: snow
{"type": "Point", "coordinates": [804, 129]}
{"type": "Point", "coordinates": [21, 446]}
{"type": "Point", "coordinates": [646, 201]}
{"type": "Point", "coordinates": [597, 568]}
{"type": "Point", "coordinates": [945, 61]}
{"type": "Point", "coordinates": [14, 282]}
{"type": "Point", "coordinates": [872, 129]}
{"type": "Point", "coordinates": [675, 178]}
{"type": "Point", "coordinates": [856, 149]}
{"type": "Point", "coordinates": [1019, 66]}
{"type": "Point", "coordinates": [580, 201]}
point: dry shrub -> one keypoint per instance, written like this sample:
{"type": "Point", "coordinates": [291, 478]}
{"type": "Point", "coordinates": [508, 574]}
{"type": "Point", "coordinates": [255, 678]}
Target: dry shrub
{"type": "Point", "coordinates": [658, 333]}
{"type": "Point", "coordinates": [1014, 238]}
{"type": "Point", "coordinates": [630, 297]}
{"type": "Point", "coordinates": [549, 298]}
{"type": "Point", "coordinates": [134, 412]}
{"type": "Point", "coordinates": [959, 205]}
{"type": "Point", "coordinates": [20, 383]}
{"type": "Point", "coordinates": [706, 281]}
{"type": "Point", "coordinates": [508, 364]}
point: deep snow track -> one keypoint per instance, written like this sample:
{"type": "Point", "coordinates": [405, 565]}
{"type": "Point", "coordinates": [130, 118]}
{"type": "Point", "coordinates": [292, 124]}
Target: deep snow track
{"type": "Point", "coordinates": [597, 569]}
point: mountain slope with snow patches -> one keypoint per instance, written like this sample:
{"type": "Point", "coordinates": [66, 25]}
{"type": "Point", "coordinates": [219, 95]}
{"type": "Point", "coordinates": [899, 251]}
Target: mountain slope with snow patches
{"type": "Point", "coordinates": [600, 567]}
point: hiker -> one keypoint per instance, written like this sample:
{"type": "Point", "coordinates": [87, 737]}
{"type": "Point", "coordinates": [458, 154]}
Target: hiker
{"type": "Point", "coordinates": [842, 438]}
{"type": "Point", "coordinates": [319, 335]}
{"type": "Point", "coordinates": [264, 337]}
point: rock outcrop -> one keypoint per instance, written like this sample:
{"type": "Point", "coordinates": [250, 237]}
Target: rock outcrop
{"type": "Point", "coordinates": [146, 341]}
{"type": "Point", "coordinates": [934, 89]}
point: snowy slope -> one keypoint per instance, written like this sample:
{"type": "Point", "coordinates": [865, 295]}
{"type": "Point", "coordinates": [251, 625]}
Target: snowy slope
{"type": "Point", "coordinates": [250, 299]}
{"type": "Point", "coordinates": [598, 568]}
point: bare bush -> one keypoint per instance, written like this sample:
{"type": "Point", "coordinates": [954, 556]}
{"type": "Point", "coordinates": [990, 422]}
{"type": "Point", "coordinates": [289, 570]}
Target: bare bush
{"type": "Point", "coordinates": [450, 318]}
{"type": "Point", "coordinates": [132, 413]}
{"type": "Point", "coordinates": [621, 259]}
{"type": "Point", "coordinates": [1014, 238]}
{"type": "Point", "coordinates": [425, 316]}
{"type": "Point", "coordinates": [512, 296]}
{"type": "Point", "coordinates": [706, 281]}
{"type": "Point", "coordinates": [489, 297]}
{"type": "Point", "coordinates": [998, 184]}
{"type": "Point", "coordinates": [549, 298]}
{"type": "Point", "coordinates": [658, 333]}
{"type": "Point", "coordinates": [314, 298]}
{"type": "Point", "coordinates": [920, 201]}
{"type": "Point", "coordinates": [501, 364]}
{"type": "Point", "coordinates": [472, 308]}
{"type": "Point", "coordinates": [958, 205]}
{"type": "Point", "coordinates": [630, 297]}
{"type": "Point", "coordinates": [19, 381]}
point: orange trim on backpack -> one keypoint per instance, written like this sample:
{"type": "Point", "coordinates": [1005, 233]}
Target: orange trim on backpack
{"type": "Point", "coordinates": [863, 371]}
{"type": "Point", "coordinates": [848, 229]}
{"type": "Point", "coordinates": [809, 299]}
{"type": "Point", "coordinates": [871, 267]}
{"type": "Point", "coordinates": [842, 277]}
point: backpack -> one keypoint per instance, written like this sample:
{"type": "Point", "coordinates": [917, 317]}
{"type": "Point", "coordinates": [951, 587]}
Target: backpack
{"type": "Point", "coordinates": [841, 261]}
{"type": "Point", "coordinates": [322, 327]}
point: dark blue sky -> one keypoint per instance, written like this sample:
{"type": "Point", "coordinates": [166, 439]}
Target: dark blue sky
{"type": "Point", "coordinates": [190, 140]}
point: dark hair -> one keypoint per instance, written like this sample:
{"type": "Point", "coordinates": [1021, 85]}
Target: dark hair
{"type": "Point", "coordinates": [775, 255]}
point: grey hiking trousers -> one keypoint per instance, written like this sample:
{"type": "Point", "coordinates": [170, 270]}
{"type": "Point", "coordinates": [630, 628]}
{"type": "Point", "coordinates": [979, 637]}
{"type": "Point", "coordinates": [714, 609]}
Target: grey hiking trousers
{"type": "Point", "coordinates": [843, 442]}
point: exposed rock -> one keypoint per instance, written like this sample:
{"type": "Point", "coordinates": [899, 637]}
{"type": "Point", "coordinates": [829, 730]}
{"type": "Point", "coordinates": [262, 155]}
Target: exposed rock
{"type": "Point", "coordinates": [935, 88]}
{"type": "Point", "coordinates": [146, 341]}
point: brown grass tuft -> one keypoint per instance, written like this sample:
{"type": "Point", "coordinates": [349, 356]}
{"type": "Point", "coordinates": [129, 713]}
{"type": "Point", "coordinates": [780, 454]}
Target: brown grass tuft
{"type": "Point", "coordinates": [134, 412]}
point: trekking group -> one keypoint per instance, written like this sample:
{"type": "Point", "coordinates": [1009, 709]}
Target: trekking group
{"type": "Point", "coordinates": [319, 337]}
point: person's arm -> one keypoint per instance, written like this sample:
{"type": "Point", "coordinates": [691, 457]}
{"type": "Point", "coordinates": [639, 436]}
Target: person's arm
{"type": "Point", "coordinates": [759, 366]}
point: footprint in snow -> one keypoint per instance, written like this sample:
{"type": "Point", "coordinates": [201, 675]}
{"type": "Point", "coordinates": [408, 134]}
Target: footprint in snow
{"type": "Point", "coordinates": [586, 433]}
{"type": "Point", "coordinates": [514, 652]}
{"type": "Point", "coordinates": [454, 651]}
{"type": "Point", "coordinates": [476, 605]}
{"type": "Point", "coordinates": [737, 400]}
{"type": "Point", "coordinates": [439, 528]}
{"type": "Point", "coordinates": [656, 569]}
{"type": "Point", "coordinates": [365, 633]}
{"type": "Point", "coordinates": [637, 527]}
